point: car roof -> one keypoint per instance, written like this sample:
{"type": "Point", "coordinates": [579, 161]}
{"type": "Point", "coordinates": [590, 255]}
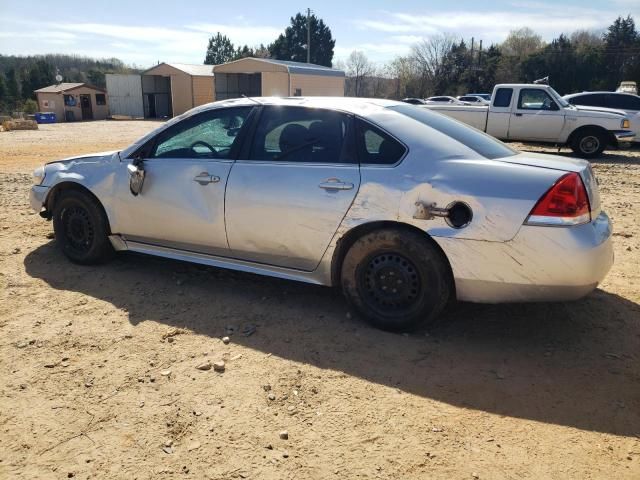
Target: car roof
{"type": "Point", "coordinates": [345, 104]}
{"type": "Point", "coordinates": [571, 95]}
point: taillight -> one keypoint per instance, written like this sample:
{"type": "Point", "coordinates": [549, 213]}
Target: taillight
{"type": "Point", "coordinates": [565, 203]}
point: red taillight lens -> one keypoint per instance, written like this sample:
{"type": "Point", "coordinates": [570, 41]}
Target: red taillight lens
{"type": "Point", "coordinates": [566, 203]}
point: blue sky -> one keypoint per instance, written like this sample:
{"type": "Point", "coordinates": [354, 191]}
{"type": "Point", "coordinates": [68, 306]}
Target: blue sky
{"type": "Point", "coordinates": [145, 32]}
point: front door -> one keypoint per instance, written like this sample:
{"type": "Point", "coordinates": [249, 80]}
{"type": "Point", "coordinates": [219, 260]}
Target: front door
{"type": "Point", "coordinates": [85, 105]}
{"type": "Point", "coordinates": [536, 117]}
{"type": "Point", "coordinates": [181, 205]}
{"type": "Point", "coordinates": [287, 197]}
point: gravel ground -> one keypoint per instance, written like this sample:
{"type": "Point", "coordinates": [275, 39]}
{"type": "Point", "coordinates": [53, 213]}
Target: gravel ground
{"type": "Point", "coordinates": [100, 374]}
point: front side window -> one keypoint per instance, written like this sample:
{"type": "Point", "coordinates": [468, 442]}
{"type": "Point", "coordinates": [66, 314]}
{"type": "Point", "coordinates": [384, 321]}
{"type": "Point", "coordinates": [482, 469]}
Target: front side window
{"type": "Point", "coordinates": [591, 100]}
{"type": "Point", "coordinates": [503, 97]}
{"type": "Point", "coordinates": [376, 147]}
{"type": "Point", "coordinates": [212, 134]}
{"type": "Point", "coordinates": [534, 99]}
{"type": "Point", "coordinates": [300, 134]}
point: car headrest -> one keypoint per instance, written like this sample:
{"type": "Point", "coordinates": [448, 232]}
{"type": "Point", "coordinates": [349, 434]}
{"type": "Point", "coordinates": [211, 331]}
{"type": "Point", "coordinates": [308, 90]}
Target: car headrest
{"type": "Point", "coordinates": [292, 135]}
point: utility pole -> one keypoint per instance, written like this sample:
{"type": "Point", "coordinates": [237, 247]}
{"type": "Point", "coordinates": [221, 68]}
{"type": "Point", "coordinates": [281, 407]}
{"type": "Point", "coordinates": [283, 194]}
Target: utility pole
{"type": "Point", "coordinates": [308, 35]}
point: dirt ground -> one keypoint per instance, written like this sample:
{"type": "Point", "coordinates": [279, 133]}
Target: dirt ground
{"type": "Point", "coordinates": [99, 376]}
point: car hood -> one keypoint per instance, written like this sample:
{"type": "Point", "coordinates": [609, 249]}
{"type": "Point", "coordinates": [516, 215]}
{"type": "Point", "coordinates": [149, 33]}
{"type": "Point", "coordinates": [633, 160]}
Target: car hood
{"type": "Point", "coordinates": [601, 110]}
{"type": "Point", "coordinates": [541, 160]}
{"type": "Point", "coordinates": [87, 158]}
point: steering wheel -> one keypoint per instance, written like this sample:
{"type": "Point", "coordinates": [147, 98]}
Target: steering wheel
{"type": "Point", "coordinates": [205, 144]}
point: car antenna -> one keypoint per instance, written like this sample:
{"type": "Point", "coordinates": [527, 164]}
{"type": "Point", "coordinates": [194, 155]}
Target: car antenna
{"type": "Point", "coordinates": [252, 99]}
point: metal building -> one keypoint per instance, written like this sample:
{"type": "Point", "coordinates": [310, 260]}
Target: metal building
{"type": "Point", "coordinates": [264, 77]}
{"type": "Point", "coordinates": [170, 89]}
{"type": "Point", "coordinates": [125, 95]}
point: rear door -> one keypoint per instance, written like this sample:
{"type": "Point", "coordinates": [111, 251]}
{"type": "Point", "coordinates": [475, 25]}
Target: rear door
{"type": "Point", "coordinates": [182, 200]}
{"type": "Point", "coordinates": [288, 194]}
{"type": "Point", "coordinates": [536, 117]}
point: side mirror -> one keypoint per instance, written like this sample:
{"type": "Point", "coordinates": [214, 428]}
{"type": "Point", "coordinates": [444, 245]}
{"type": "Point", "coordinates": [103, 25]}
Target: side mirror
{"type": "Point", "coordinates": [136, 176]}
{"type": "Point", "coordinates": [554, 106]}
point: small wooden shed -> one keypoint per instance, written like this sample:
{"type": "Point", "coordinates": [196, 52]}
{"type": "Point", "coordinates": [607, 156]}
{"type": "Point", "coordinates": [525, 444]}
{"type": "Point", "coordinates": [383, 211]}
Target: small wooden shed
{"type": "Point", "coordinates": [73, 101]}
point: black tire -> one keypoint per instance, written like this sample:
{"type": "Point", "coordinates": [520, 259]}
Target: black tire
{"type": "Point", "coordinates": [81, 228]}
{"type": "Point", "coordinates": [396, 279]}
{"type": "Point", "coordinates": [589, 143]}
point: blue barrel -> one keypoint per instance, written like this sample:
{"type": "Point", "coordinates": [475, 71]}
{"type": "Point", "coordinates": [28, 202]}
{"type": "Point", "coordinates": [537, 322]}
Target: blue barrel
{"type": "Point", "coordinates": [45, 117]}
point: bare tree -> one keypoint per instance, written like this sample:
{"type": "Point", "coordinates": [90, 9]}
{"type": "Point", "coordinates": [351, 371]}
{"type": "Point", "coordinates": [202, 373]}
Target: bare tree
{"type": "Point", "coordinates": [522, 42]}
{"type": "Point", "coordinates": [585, 39]}
{"type": "Point", "coordinates": [358, 68]}
{"type": "Point", "coordinates": [428, 57]}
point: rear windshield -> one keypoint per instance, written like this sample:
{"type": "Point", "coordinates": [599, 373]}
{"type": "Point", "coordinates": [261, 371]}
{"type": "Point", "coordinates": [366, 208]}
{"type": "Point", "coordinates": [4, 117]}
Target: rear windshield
{"type": "Point", "coordinates": [476, 140]}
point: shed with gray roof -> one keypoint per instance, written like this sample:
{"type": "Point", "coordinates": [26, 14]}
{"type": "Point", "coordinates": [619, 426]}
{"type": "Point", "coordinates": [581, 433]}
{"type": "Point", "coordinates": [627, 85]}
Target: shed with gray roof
{"type": "Point", "coordinates": [266, 77]}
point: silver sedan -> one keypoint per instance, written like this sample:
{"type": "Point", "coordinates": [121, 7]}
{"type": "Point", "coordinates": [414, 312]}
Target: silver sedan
{"type": "Point", "coordinates": [402, 208]}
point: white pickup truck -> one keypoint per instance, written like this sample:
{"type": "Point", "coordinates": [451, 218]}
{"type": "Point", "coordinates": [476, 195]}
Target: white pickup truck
{"type": "Point", "coordinates": [537, 113]}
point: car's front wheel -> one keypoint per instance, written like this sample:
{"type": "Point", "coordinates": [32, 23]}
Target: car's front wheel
{"type": "Point", "coordinates": [589, 143]}
{"type": "Point", "coordinates": [396, 279]}
{"type": "Point", "coordinates": [81, 228]}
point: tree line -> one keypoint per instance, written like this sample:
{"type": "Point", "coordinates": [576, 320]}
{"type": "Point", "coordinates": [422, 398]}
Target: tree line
{"type": "Point", "coordinates": [20, 76]}
{"type": "Point", "coordinates": [445, 65]}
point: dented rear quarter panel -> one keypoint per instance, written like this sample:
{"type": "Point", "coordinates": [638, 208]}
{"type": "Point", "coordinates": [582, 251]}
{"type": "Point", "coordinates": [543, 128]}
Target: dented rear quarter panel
{"type": "Point", "coordinates": [501, 194]}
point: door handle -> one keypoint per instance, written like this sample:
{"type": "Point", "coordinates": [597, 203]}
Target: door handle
{"type": "Point", "coordinates": [335, 184]}
{"type": "Point", "coordinates": [518, 114]}
{"type": "Point", "coordinates": [204, 178]}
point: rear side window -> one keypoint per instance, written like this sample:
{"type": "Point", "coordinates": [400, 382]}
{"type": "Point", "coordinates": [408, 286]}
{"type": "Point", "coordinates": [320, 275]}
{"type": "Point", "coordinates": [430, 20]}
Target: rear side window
{"type": "Point", "coordinates": [503, 97]}
{"type": "Point", "coordinates": [305, 135]}
{"type": "Point", "coordinates": [476, 140]}
{"type": "Point", "coordinates": [376, 147]}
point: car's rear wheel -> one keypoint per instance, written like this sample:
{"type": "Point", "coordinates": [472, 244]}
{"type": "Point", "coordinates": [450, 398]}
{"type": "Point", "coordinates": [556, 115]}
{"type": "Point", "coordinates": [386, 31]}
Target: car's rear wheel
{"type": "Point", "coordinates": [81, 228]}
{"type": "Point", "coordinates": [589, 143]}
{"type": "Point", "coordinates": [396, 279]}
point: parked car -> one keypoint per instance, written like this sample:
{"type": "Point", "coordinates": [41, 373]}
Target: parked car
{"type": "Point", "coordinates": [538, 113]}
{"type": "Point", "coordinates": [628, 87]}
{"type": "Point", "coordinates": [400, 207]}
{"type": "Point", "coordinates": [485, 96]}
{"type": "Point", "coordinates": [473, 99]}
{"type": "Point", "coordinates": [443, 100]}
{"type": "Point", "coordinates": [627, 102]}
{"type": "Point", "coordinates": [414, 101]}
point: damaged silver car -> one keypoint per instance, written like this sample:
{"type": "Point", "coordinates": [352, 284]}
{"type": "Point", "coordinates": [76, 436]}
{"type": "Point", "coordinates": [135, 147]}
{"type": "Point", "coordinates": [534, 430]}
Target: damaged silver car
{"type": "Point", "coordinates": [401, 207]}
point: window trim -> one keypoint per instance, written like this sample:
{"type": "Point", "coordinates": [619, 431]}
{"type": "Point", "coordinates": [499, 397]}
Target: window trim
{"type": "Point", "coordinates": [519, 103]}
{"type": "Point", "coordinates": [145, 150]}
{"type": "Point", "coordinates": [246, 150]}
{"type": "Point", "coordinates": [379, 127]}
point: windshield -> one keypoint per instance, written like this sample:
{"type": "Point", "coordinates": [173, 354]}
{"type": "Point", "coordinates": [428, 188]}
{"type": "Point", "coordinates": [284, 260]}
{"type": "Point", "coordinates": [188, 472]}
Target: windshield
{"type": "Point", "coordinates": [556, 96]}
{"type": "Point", "coordinates": [476, 140]}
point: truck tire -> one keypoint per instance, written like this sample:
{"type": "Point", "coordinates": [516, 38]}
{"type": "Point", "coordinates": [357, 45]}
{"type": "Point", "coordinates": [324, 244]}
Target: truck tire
{"type": "Point", "coordinates": [396, 279]}
{"type": "Point", "coordinates": [81, 228]}
{"type": "Point", "coordinates": [588, 143]}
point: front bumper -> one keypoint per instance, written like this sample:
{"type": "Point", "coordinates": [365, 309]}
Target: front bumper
{"type": "Point", "coordinates": [539, 264]}
{"type": "Point", "coordinates": [37, 197]}
{"type": "Point", "coordinates": [624, 135]}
